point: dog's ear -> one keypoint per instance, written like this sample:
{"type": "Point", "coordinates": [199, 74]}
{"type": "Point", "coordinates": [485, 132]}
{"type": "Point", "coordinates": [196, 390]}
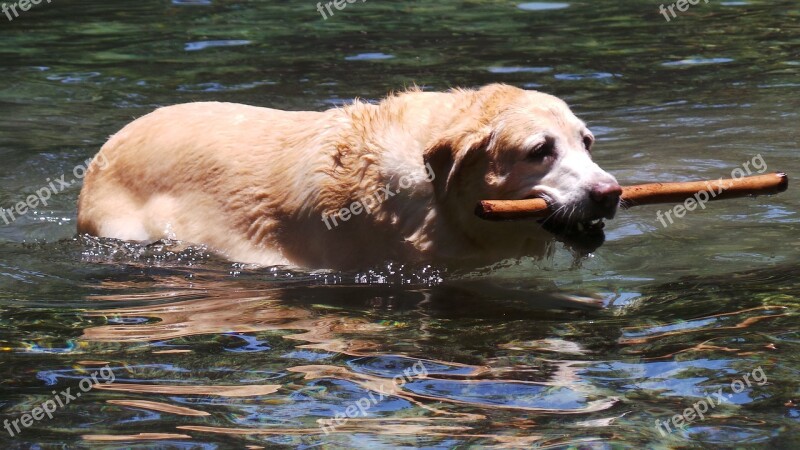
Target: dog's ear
{"type": "Point", "coordinates": [450, 154]}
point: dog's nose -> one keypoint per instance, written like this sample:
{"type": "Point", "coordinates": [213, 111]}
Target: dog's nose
{"type": "Point", "coordinates": [606, 195]}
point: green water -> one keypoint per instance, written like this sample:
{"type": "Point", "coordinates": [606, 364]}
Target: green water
{"type": "Point", "coordinates": [514, 358]}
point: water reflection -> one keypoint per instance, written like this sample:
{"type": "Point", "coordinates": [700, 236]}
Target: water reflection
{"type": "Point", "coordinates": [451, 399]}
{"type": "Point", "coordinates": [281, 361]}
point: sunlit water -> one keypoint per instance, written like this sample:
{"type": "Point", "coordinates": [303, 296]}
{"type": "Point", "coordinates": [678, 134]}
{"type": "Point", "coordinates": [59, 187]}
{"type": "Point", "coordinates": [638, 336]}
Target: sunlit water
{"type": "Point", "coordinates": [570, 352]}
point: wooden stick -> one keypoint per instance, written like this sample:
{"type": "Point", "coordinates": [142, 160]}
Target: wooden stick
{"type": "Point", "coordinates": [646, 194]}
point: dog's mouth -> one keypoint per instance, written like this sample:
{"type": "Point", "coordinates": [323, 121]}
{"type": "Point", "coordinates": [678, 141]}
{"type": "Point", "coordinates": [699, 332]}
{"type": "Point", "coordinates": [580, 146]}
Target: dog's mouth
{"type": "Point", "coordinates": [577, 230]}
{"type": "Point", "coordinates": [567, 219]}
{"type": "Point", "coordinates": [573, 227]}
{"type": "Point", "coordinates": [583, 236]}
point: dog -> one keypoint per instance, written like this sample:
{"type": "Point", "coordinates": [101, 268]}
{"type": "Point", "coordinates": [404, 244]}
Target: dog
{"type": "Point", "coordinates": [273, 187]}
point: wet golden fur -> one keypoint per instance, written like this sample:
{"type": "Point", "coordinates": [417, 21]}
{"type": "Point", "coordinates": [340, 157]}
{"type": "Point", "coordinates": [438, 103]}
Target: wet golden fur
{"type": "Point", "coordinates": [253, 183]}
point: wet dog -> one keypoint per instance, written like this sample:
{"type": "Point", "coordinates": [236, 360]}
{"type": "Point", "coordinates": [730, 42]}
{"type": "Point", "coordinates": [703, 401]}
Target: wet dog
{"type": "Point", "coordinates": [273, 187]}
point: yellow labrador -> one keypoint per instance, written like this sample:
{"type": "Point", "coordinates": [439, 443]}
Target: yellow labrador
{"type": "Point", "coordinates": [353, 186]}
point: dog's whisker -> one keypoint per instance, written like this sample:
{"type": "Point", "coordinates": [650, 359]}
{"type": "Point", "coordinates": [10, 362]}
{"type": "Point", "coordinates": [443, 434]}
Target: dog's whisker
{"type": "Point", "coordinates": [554, 214]}
{"type": "Point", "coordinates": [571, 212]}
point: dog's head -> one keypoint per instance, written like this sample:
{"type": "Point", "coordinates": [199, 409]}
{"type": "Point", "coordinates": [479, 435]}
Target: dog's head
{"type": "Point", "coordinates": [508, 143]}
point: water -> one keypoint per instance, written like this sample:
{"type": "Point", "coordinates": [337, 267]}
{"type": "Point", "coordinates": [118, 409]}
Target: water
{"type": "Point", "coordinates": [570, 352]}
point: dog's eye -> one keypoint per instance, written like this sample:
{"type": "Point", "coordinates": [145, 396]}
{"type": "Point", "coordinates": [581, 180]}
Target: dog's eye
{"type": "Point", "coordinates": [543, 150]}
{"type": "Point", "coordinates": [588, 141]}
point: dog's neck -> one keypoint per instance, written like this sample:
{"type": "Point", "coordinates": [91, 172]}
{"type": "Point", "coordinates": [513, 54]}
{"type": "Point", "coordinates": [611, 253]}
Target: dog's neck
{"type": "Point", "coordinates": [448, 222]}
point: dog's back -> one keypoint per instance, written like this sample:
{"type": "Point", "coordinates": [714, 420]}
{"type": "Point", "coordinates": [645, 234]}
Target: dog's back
{"type": "Point", "coordinates": [193, 171]}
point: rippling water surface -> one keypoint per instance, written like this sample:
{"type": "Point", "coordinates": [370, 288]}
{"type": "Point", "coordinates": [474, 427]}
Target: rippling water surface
{"type": "Point", "coordinates": [190, 351]}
